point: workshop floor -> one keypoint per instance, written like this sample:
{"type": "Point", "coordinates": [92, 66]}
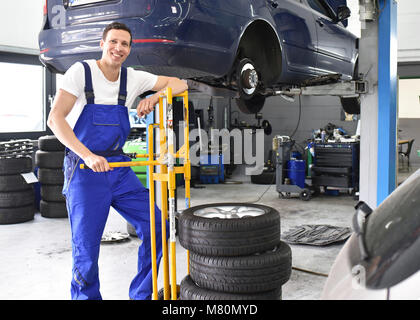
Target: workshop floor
{"type": "Point", "coordinates": [35, 257]}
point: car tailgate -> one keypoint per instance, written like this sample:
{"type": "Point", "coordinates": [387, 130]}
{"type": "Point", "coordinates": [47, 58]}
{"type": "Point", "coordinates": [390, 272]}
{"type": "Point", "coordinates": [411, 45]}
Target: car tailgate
{"type": "Point", "coordinates": [63, 13]}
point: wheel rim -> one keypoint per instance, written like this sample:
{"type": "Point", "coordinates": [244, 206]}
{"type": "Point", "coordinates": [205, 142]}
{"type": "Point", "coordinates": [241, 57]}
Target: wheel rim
{"type": "Point", "coordinates": [229, 212]}
{"type": "Point", "coordinates": [249, 78]}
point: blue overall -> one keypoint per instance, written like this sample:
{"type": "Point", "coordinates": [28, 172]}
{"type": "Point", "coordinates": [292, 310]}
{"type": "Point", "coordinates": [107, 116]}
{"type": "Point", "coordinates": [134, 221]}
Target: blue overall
{"type": "Point", "coordinates": [103, 129]}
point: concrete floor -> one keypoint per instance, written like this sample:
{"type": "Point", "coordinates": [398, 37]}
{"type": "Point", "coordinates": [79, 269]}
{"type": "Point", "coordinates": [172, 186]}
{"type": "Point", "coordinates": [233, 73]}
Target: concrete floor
{"type": "Point", "coordinates": [36, 255]}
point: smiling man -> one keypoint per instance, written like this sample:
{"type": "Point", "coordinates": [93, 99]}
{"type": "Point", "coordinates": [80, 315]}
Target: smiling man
{"type": "Point", "coordinates": [90, 117]}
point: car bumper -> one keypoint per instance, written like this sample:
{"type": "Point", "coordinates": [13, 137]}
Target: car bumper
{"type": "Point", "coordinates": [159, 50]}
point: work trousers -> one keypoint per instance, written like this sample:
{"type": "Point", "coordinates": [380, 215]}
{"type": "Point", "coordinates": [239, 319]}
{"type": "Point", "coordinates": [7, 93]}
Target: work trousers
{"type": "Point", "coordinates": [89, 196]}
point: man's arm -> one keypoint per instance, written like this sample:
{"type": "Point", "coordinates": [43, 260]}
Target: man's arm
{"type": "Point", "coordinates": [63, 104]}
{"type": "Point", "coordinates": [178, 86]}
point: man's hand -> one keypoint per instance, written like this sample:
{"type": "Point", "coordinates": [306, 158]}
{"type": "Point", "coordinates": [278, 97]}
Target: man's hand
{"type": "Point", "coordinates": [147, 105]}
{"type": "Point", "coordinates": [97, 163]}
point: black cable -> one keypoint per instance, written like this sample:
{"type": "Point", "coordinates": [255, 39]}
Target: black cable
{"type": "Point", "coordinates": [298, 123]}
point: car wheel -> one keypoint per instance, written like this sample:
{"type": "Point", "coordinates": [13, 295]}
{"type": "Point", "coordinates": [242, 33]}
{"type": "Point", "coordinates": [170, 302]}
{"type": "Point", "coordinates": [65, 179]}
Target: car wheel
{"type": "Point", "coordinates": [247, 79]}
{"type": "Point", "coordinates": [52, 209]}
{"type": "Point", "coordinates": [251, 106]}
{"type": "Point", "coordinates": [50, 143]}
{"type": "Point", "coordinates": [351, 105]}
{"type": "Point", "coordinates": [17, 214]}
{"type": "Point", "coordinates": [229, 229]}
{"type": "Point", "coordinates": [266, 177]}
{"type": "Point", "coordinates": [191, 291]}
{"type": "Point", "coordinates": [259, 272]}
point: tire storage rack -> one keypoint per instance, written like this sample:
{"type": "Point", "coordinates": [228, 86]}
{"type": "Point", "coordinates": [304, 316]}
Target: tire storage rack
{"type": "Point", "coordinates": [17, 198]}
{"type": "Point", "coordinates": [49, 160]}
{"type": "Point", "coordinates": [235, 252]}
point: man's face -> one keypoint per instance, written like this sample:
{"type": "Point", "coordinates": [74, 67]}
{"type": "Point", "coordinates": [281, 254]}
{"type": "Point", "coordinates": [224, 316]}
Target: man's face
{"type": "Point", "coordinates": [116, 47]}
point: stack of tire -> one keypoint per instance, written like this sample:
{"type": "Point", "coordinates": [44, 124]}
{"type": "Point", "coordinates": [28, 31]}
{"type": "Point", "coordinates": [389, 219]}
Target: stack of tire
{"type": "Point", "coordinates": [235, 252]}
{"type": "Point", "coordinates": [49, 160]}
{"type": "Point", "coordinates": [17, 198]}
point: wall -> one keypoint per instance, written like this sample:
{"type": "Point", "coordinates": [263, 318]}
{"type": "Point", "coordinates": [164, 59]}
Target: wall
{"type": "Point", "coordinates": [20, 22]}
{"type": "Point", "coordinates": [316, 113]}
{"type": "Point", "coordinates": [409, 128]}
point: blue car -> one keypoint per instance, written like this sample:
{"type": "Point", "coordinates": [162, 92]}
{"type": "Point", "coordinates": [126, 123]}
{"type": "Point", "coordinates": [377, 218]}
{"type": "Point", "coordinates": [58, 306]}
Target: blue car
{"type": "Point", "coordinates": [247, 46]}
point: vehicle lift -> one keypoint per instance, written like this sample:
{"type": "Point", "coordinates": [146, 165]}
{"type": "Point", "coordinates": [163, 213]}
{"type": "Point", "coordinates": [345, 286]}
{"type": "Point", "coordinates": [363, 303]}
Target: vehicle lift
{"type": "Point", "coordinates": [166, 161]}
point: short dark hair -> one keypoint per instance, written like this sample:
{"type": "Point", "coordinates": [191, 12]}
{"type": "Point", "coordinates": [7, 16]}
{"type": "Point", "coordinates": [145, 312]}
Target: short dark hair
{"type": "Point", "coordinates": [118, 26]}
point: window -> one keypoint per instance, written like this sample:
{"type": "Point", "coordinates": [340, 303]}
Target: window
{"type": "Point", "coordinates": [23, 107]}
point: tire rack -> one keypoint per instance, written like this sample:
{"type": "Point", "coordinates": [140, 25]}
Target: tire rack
{"type": "Point", "coordinates": [166, 161]}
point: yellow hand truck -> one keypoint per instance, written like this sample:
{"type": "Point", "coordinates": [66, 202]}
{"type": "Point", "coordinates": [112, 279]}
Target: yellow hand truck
{"type": "Point", "coordinates": [165, 159]}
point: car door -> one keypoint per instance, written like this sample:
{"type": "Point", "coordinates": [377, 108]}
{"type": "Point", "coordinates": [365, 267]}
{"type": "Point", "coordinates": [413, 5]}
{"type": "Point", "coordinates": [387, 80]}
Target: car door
{"type": "Point", "coordinates": [295, 27]}
{"type": "Point", "coordinates": [335, 48]}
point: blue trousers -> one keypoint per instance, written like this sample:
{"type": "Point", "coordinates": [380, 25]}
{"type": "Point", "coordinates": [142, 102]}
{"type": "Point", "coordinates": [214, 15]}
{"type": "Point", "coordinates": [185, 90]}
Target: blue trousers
{"type": "Point", "coordinates": [89, 196]}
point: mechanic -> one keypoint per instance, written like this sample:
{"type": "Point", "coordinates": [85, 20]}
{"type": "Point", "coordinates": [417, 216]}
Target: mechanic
{"type": "Point", "coordinates": [90, 117]}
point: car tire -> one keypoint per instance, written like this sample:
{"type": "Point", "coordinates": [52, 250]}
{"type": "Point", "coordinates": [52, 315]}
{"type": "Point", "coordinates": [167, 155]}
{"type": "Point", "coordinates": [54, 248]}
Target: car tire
{"type": "Point", "coordinates": [17, 214]}
{"type": "Point", "coordinates": [15, 165]}
{"type": "Point", "coordinates": [256, 228]}
{"type": "Point", "coordinates": [17, 198]}
{"type": "Point", "coordinates": [244, 274]}
{"type": "Point", "coordinates": [49, 159]}
{"type": "Point", "coordinates": [50, 143]}
{"type": "Point", "coordinates": [52, 193]}
{"type": "Point", "coordinates": [252, 105]}
{"type": "Point", "coordinates": [351, 105]}
{"type": "Point", "coordinates": [190, 291]}
{"type": "Point", "coordinates": [49, 209]}
{"type": "Point", "coordinates": [14, 182]}
{"type": "Point", "coordinates": [266, 177]}
{"type": "Point", "coordinates": [161, 295]}
{"type": "Point", "coordinates": [51, 176]}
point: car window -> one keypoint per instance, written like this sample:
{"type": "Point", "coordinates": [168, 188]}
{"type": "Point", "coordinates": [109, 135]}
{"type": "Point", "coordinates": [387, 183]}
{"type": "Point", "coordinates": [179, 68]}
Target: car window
{"type": "Point", "coordinates": [320, 6]}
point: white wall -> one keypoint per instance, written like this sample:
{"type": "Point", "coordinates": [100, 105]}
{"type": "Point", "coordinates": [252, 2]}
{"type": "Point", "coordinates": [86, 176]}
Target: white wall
{"type": "Point", "coordinates": [20, 23]}
{"type": "Point", "coordinates": [409, 98]}
{"type": "Point", "coordinates": [408, 30]}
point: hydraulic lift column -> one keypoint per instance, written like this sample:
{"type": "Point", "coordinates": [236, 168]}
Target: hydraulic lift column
{"type": "Point", "coordinates": [378, 62]}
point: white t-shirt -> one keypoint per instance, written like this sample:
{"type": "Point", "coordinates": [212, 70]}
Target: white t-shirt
{"type": "Point", "coordinates": [106, 92]}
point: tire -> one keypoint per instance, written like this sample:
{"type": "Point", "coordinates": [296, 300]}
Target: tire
{"type": "Point", "coordinates": [190, 291]}
{"type": "Point", "coordinates": [50, 143]}
{"type": "Point", "coordinates": [52, 193]}
{"type": "Point", "coordinates": [17, 198]}
{"type": "Point", "coordinates": [14, 182]}
{"type": "Point", "coordinates": [252, 105]}
{"type": "Point", "coordinates": [161, 295]}
{"type": "Point", "coordinates": [15, 165]}
{"type": "Point", "coordinates": [245, 274]}
{"type": "Point", "coordinates": [17, 214]}
{"type": "Point", "coordinates": [351, 105]}
{"type": "Point", "coordinates": [50, 176]}
{"type": "Point", "coordinates": [266, 177]}
{"type": "Point", "coordinates": [49, 159]}
{"type": "Point", "coordinates": [53, 209]}
{"type": "Point", "coordinates": [305, 195]}
{"type": "Point", "coordinates": [230, 236]}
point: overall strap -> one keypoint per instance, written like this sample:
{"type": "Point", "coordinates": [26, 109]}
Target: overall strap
{"type": "Point", "coordinates": [122, 95]}
{"type": "Point", "coordinates": [90, 97]}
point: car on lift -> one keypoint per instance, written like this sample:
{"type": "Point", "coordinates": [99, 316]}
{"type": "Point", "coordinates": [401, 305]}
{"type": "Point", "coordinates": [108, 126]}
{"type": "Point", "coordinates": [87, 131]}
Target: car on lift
{"type": "Point", "coordinates": [381, 259]}
{"type": "Point", "coordinates": [247, 46]}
